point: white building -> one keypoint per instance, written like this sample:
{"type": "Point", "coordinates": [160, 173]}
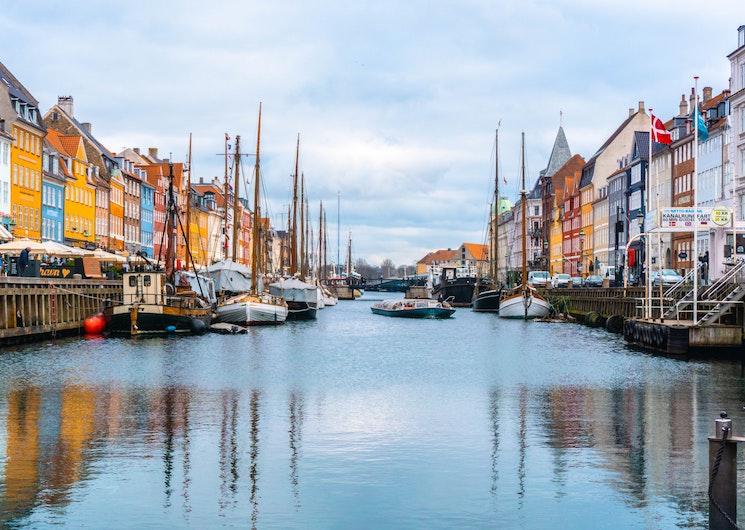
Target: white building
{"type": "Point", "coordinates": [5, 140]}
{"type": "Point", "coordinates": [737, 121]}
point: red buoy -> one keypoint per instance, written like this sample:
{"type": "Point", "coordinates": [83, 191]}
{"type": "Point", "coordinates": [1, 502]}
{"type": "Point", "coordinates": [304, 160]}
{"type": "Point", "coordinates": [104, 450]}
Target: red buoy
{"type": "Point", "coordinates": [94, 325]}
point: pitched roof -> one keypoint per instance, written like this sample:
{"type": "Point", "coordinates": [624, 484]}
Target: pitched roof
{"type": "Point", "coordinates": [560, 153]}
{"type": "Point", "coordinates": [16, 87]}
{"type": "Point", "coordinates": [88, 136]}
{"type": "Point", "coordinates": [438, 255]}
{"type": "Point", "coordinates": [477, 250]}
{"type": "Point", "coordinates": [641, 141]}
{"type": "Point", "coordinates": [590, 164]}
{"type": "Point", "coordinates": [54, 138]}
{"type": "Point", "coordinates": [71, 143]}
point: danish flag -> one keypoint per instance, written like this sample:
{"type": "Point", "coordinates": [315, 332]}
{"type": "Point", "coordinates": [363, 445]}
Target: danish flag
{"type": "Point", "coordinates": [659, 133]}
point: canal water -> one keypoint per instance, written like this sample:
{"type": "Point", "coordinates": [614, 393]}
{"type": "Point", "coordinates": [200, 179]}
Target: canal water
{"type": "Point", "coordinates": [360, 421]}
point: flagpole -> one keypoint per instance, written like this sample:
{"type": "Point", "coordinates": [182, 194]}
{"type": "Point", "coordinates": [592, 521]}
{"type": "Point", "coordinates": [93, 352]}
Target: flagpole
{"type": "Point", "coordinates": [648, 260]}
{"type": "Point", "coordinates": [694, 251]}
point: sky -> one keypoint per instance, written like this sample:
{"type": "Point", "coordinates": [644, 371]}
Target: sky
{"type": "Point", "coordinates": [396, 102]}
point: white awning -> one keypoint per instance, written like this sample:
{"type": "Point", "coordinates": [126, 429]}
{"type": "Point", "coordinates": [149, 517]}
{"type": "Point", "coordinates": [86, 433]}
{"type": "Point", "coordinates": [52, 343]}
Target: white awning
{"type": "Point", "coordinates": [5, 235]}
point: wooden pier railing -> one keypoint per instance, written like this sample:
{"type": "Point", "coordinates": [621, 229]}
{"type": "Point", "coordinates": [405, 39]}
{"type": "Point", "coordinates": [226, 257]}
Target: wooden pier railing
{"type": "Point", "coordinates": [605, 302]}
{"type": "Point", "coordinates": [34, 307]}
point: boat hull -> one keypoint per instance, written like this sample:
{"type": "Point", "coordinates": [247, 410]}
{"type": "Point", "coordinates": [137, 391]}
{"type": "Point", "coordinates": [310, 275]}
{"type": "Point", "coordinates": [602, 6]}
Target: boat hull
{"type": "Point", "coordinates": [156, 320]}
{"type": "Point", "coordinates": [515, 307]}
{"type": "Point", "coordinates": [252, 313]}
{"type": "Point", "coordinates": [459, 291]}
{"type": "Point", "coordinates": [487, 301]}
{"type": "Point", "coordinates": [301, 311]}
{"type": "Point", "coordinates": [423, 312]}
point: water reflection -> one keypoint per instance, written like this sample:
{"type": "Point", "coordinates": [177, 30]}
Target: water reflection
{"type": "Point", "coordinates": [254, 456]}
{"type": "Point", "coordinates": [295, 432]}
{"type": "Point", "coordinates": [191, 450]}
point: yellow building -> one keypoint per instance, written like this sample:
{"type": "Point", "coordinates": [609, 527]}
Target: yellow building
{"type": "Point", "coordinates": [555, 241]}
{"type": "Point", "coordinates": [19, 111]}
{"type": "Point", "coordinates": [80, 192]}
{"type": "Point", "coordinates": [587, 227]}
{"type": "Point", "coordinates": [25, 189]}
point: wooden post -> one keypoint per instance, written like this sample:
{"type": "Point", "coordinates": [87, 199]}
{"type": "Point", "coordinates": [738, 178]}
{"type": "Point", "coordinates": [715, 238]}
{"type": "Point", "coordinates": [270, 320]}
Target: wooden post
{"type": "Point", "coordinates": [723, 480]}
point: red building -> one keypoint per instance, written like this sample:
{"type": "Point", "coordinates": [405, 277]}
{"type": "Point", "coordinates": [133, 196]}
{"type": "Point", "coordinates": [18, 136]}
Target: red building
{"type": "Point", "coordinates": [572, 236]}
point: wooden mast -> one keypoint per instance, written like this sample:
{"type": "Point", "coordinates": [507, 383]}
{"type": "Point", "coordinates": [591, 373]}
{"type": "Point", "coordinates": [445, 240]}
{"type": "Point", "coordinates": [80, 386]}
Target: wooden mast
{"type": "Point", "coordinates": [308, 239]}
{"type": "Point", "coordinates": [225, 202]}
{"type": "Point", "coordinates": [495, 227]}
{"type": "Point", "coordinates": [188, 198]}
{"type": "Point", "coordinates": [170, 256]}
{"type": "Point", "coordinates": [293, 230]}
{"type": "Point", "coordinates": [320, 242]}
{"type": "Point", "coordinates": [257, 215]}
{"type": "Point", "coordinates": [523, 206]}
{"type": "Point", "coordinates": [237, 163]}
{"type": "Point", "coordinates": [302, 226]}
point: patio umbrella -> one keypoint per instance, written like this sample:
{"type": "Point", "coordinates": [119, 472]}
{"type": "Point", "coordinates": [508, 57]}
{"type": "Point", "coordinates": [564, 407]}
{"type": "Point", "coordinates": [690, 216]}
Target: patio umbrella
{"type": "Point", "coordinates": [102, 255]}
{"type": "Point", "coordinates": [53, 248]}
{"type": "Point", "coordinates": [17, 245]}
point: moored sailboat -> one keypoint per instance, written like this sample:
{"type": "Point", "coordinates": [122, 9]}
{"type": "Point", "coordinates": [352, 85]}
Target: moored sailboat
{"type": "Point", "coordinates": [254, 307]}
{"type": "Point", "coordinates": [523, 301]}
{"type": "Point", "coordinates": [301, 297]}
{"type": "Point", "coordinates": [486, 294]}
{"type": "Point", "coordinates": [159, 302]}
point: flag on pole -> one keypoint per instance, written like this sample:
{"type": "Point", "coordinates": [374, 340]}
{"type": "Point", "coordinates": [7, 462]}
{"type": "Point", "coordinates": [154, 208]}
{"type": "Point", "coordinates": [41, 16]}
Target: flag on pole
{"type": "Point", "coordinates": [659, 133]}
{"type": "Point", "coordinates": [703, 131]}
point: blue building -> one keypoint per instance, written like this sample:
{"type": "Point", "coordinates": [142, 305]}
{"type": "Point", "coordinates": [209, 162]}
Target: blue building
{"type": "Point", "coordinates": [147, 207]}
{"type": "Point", "coordinates": [52, 194]}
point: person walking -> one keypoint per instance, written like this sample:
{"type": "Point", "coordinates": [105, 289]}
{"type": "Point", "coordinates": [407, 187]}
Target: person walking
{"type": "Point", "coordinates": [23, 260]}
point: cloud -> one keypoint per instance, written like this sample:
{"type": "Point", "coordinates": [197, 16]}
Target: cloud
{"type": "Point", "coordinates": [396, 102]}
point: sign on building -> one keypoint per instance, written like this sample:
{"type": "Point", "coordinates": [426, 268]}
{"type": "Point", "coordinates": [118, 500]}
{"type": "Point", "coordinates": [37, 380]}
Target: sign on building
{"type": "Point", "coordinates": [682, 219]}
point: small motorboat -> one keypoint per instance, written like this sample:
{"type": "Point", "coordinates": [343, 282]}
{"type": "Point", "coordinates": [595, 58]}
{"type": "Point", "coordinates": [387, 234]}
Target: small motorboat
{"type": "Point", "coordinates": [413, 308]}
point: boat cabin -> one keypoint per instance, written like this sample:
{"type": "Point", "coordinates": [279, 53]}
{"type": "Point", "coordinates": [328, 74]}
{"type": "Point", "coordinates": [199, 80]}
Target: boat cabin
{"type": "Point", "coordinates": [144, 288]}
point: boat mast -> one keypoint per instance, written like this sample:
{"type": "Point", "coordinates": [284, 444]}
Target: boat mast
{"type": "Point", "coordinates": [320, 242]}
{"type": "Point", "coordinates": [257, 218]}
{"type": "Point", "coordinates": [495, 227]}
{"type": "Point", "coordinates": [237, 162]}
{"type": "Point", "coordinates": [302, 226]}
{"type": "Point", "coordinates": [523, 206]}
{"type": "Point", "coordinates": [293, 230]}
{"type": "Point", "coordinates": [188, 197]}
{"type": "Point", "coordinates": [225, 202]}
{"type": "Point", "coordinates": [170, 229]}
{"type": "Point", "coordinates": [308, 239]}
{"type": "Point", "coordinates": [349, 255]}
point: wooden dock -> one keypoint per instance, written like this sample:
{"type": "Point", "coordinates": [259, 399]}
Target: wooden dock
{"type": "Point", "coordinates": [33, 308]}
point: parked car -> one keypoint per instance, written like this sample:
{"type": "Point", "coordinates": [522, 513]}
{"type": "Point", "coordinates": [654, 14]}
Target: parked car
{"type": "Point", "coordinates": [538, 278]}
{"type": "Point", "coordinates": [560, 280]}
{"type": "Point", "coordinates": [594, 281]}
{"type": "Point", "coordinates": [666, 276]}
{"type": "Point", "coordinates": [577, 281]}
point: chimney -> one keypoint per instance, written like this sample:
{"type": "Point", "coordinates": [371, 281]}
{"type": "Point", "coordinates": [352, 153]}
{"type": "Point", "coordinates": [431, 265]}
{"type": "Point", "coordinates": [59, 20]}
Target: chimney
{"type": "Point", "coordinates": [65, 103]}
{"type": "Point", "coordinates": [136, 150]}
{"type": "Point", "coordinates": [641, 106]}
{"type": "Point", "coordinates": [683, 106]}
{"type": "Point", "coordinates": [153, 152]}
{"type": "Point", "coordinates": [631, 112]}
{"type": "Point", "coordinates": [692, 100]}
{"type": "Point", "coordinates": [86, 126]}
{"type": "Point", "coordinates": [726, 93]}
{"type": "Point", "coordinates": [201, 180]}
{"type": "Point", "coordinates": [707, 93]}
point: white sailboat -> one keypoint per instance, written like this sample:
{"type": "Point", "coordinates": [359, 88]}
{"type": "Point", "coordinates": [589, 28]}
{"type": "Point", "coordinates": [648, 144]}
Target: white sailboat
{"type": "Point", "coordinates": [254, 307]}
{"type": "Point", "coordinates": [523, 301]}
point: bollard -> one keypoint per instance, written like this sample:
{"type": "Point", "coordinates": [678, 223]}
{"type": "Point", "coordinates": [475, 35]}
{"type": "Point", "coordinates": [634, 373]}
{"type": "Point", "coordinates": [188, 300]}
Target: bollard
{"type": "Point", "coordinates": [722, 476]}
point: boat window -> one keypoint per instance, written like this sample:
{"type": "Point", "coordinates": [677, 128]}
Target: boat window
{"type": "Point", "coordinates": [146, 280]}
{"type": "Point", "coordinates": [133, 281]}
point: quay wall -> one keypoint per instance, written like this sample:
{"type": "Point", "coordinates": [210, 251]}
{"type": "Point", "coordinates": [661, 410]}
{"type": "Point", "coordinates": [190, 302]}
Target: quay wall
{"type": "Point", "coordinates": [33, 308]}
{"type": "Point", "coordinates": [605, 301]}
